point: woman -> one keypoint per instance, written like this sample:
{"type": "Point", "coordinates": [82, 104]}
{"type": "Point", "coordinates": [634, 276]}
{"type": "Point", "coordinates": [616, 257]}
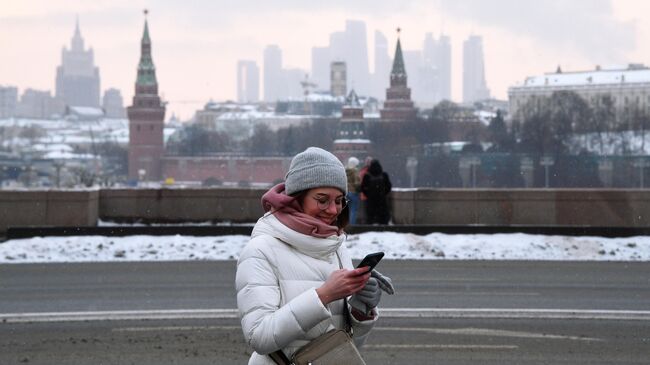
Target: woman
{"type": "Point", "coordinates": [376, 186]}
{"type": "Point", "coordinates": [290, 286]}
{"type": "Point", "coordinates": [354, 186]}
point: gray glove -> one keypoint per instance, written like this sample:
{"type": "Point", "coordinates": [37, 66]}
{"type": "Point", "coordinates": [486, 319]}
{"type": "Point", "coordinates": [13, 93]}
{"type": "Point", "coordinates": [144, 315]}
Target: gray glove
{"type": "Point", "coordinates": [368, 297]}
{"type": "Point", "coordinates": [385, 283]}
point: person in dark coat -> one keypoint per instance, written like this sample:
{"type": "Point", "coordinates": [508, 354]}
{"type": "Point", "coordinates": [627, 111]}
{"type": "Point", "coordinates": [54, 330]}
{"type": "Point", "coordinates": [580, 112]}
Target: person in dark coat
{"type": "Point", "coordinates": [376, 186]}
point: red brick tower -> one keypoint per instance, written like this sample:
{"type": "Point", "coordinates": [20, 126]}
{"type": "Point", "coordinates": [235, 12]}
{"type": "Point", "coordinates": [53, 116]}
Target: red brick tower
{"type": "Point", "coordinates": [146, 119]}
{"type": "Point", "coordinates": [398, 106]}
{"type": "Point", "coordinates": [352, 137]}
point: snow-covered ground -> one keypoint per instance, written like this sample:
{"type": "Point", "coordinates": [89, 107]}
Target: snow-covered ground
{"type": "Point", "coordinates": [434, 246]}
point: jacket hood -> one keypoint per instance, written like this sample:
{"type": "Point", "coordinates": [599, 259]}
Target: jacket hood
{"type": "Point", "coordinates": [316, 247]}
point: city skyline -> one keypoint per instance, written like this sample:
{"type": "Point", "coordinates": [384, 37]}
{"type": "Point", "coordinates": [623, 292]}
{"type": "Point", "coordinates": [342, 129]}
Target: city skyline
{"type": "Point", "coordinates": [197, 48]}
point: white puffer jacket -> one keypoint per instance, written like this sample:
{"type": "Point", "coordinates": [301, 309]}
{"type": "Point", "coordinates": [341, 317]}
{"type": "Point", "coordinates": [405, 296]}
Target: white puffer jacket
{"type": "Point", "coordinates": [277, 275]}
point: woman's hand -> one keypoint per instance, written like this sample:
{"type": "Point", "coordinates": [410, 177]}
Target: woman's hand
{"type": "Point", "coordinates": [343, 283]}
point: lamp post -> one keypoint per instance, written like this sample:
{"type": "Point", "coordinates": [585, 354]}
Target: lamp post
{"type": "Point", "coordinates": [142, 173]}
{"type": "Point", "coordinates": [57, 166]}
{"type": "Point", "coordinates": [546, 161]}
{"type": "Point", "coordinates": [411, 169]}
{"type": "Point", "coordinates": [641, 164]}
{"type": "Point", "coordinates": [474, 162]}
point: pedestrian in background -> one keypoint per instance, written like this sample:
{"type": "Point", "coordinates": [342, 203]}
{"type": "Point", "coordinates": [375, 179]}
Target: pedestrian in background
{"type": "Point", "coordinates": [354, 187]}
{"type": "Point", "coordinates": [294, 274]}
{"type": "Point", "coordinates": [362, 197]}
{"type": "Point", "coordinates": [376, 186]}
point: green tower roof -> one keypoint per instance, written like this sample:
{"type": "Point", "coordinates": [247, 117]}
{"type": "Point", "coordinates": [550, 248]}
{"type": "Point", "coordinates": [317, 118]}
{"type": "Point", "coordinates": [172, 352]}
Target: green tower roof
{"type": "Point", "coordinates": [398, 61]}
{"type": "Point", "coordinates": [146, 68]}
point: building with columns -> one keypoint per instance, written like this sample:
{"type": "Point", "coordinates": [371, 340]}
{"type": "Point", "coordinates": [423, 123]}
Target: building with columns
{"type": "Point", "coordinates": [398, 106]}
{"type": "Point", "coordinates": [146, 119]}
{"type": "Point", "coordinates": [626, 87]}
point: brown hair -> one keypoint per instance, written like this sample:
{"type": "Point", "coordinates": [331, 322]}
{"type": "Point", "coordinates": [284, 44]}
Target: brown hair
{"type": "Point", "coordinates": [342, 220]}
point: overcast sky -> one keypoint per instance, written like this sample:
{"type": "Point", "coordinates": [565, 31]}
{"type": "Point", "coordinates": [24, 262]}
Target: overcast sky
{"type": "Point", "coordinates": [196, 43]}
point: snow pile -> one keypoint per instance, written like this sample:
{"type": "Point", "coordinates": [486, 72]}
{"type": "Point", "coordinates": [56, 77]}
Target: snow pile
{"type": "Point", "coordinates": [435, 246]}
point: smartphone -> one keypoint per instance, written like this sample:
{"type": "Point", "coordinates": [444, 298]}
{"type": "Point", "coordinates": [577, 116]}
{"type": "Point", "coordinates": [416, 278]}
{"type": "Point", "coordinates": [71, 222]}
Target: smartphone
{"type": "Point", "coordinates": [371, 260]}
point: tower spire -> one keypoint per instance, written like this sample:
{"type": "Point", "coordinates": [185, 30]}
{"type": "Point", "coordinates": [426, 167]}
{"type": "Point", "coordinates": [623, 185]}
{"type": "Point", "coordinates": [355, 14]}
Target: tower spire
{"type": "Point", "coordinates": [398, 61]}
{"type": "Point", "coordinates": [77, 43]}
{"type": "Point", "coordinates": [146, 68]}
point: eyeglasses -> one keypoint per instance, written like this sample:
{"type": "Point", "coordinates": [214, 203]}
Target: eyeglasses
{"type": "Point", "coordinates": [324, 202]}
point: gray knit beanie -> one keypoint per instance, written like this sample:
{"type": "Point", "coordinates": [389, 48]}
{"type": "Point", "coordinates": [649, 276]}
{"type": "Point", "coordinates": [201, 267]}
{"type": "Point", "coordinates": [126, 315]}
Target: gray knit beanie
{"type": "Point", "coordinates": [315, 168]}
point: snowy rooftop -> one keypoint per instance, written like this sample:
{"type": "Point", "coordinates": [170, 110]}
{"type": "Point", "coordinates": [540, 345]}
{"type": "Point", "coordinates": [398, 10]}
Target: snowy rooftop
{"type": "Point", "coordinates": [435, 246]}
{"type": "Point", "coordinates": [596, 77]}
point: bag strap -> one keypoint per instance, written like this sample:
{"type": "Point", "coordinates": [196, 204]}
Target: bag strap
{"type": "Point", "coordinates": [280, 358]}
{"type": "Point", "coordinates": [346, 313]}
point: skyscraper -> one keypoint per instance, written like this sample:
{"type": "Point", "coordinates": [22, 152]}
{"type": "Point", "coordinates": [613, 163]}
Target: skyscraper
{"type": "Point", "coordinates": [320, 67]}
{"type": "Point", "coordinates": [338, 78]}
{"type": "Point", "coordinates": [443, 64]}
{"type": "Point", "coordinates": [77, 79]}
{"type": "Point", "coordinates": [356, 57]}
{"type": "Point", "coordinates": [382, 66]}
{"type": "Point", "coordinates": [474, 86]}
{"type": "Point", "coordinates": [436, 70]}
{"type": "Point", "coordinates": [248, 82]}
{"type": "Point", "coordinates": [273, 85]}
{"type": "Point", "coordinates": [146, 119]}
{"type": "Point", "coordinates": [349, 46]}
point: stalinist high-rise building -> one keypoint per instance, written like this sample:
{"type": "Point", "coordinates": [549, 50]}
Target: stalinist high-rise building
{"type": "Point", "coordinates": [146, 119]}
{"type": "Point", "coordinates": [77, 79]}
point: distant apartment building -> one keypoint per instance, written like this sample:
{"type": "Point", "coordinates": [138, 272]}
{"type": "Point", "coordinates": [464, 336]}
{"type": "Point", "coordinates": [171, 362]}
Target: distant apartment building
{"type": "Point", "coordinates": [113, 104]}
{"type": "Point", "coordinates": [38, 104]}
{"type": "Point", "coordinates": [248, 82]}
{"type": "Point", "coordinates": [77, 78]}
{"type": "Point", "coordinates": [474, 84]}
{"type": "Point", "coordinates": [8, 101]}
{"type": "Point", "coordinates": [628, 87]}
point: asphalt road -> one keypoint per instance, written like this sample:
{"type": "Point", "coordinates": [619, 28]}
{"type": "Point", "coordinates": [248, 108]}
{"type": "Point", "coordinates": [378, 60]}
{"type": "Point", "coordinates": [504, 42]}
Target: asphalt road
{"type": "Point", "coordinates": [420, 284]}
{"type": "Point", "coordinates": [433, 286]}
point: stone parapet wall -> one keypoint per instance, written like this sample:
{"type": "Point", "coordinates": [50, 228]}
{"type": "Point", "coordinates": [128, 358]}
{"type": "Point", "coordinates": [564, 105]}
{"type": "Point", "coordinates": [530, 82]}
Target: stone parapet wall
{"type": "Point", "coordinates": [490, 207]}
{"type": "Point", "coordinates": [48, 208]}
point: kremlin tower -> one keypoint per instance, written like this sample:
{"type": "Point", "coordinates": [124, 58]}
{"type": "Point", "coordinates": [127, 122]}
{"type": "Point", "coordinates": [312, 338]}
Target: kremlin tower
{"type": "Point", "coordinates": [352, 137]}
{"type": "Point", "coordinates": [146, 119]}
{"type": "Point", "coordinates": [398, 106]}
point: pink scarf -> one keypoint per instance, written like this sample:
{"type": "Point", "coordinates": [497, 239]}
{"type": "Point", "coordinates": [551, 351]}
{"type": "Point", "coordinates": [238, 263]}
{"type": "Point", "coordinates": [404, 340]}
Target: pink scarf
{"type": "Point", "coordinates": [288, 211]}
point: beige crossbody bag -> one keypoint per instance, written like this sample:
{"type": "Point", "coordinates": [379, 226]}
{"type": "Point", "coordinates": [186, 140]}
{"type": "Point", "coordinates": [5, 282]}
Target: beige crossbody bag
{"type": "Point", "coordinates": [334, 347]}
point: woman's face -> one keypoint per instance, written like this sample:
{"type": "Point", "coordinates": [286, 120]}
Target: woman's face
{"type": "Point", "coordinates": [324, 204]}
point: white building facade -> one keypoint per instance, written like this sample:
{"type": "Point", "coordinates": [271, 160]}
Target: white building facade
{"type": "Point", "coordinates": [627, 87]}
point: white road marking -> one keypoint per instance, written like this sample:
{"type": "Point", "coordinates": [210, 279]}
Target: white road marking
{"type": "Point", "coordinates": [440, 347]}
{"type": "Point", "coordinates": [480, 293]}
{"type": "Point", "coordinates": [460, 313]}
{"type": "Point", "coordinates": [177, 328]}
{"type": "Point", "coordinates": [486, 332]}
